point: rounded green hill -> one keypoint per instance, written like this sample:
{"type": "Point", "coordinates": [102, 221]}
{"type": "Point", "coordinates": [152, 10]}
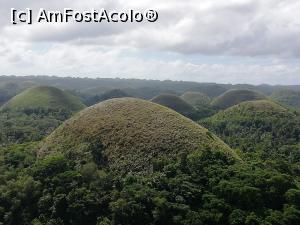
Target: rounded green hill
{"type": "Point", "coordinates": [44, 97]}
{"type": "Point", "coordinates": [126, 134]}
{"type": "Point", "coordinates": [287, 97]}
{"type": "Point", "coordinates": [260, 108]}
{"type": "Point", "coordinates": [196, 99]}
{"type": "Point", "coordinates": [114, 93]}
{"type": "Point", "coordinates": [255, 125]}
{"type": "Point", "coordinates": [234, 97]}
{"type": "Point", "coordinates": [176, 103]}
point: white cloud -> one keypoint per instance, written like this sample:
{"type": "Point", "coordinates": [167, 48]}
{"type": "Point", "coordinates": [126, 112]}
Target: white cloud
{"type": "Point", "coordinates": [262, 30]}
{"type": "Point", "coordinates": [66, 60]}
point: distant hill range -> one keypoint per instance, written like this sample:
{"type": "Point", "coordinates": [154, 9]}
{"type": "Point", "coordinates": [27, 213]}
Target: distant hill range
{"type": "Point", "coordinates": [146, 89]}
{"type": "Point", "coordinates": [287, 97]}
{"type": "Point", "coordinates": [234, 97]}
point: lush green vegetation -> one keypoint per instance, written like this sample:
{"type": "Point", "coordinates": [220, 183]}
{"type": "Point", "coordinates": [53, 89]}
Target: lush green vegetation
{"type": "Point", "coordinates": [44, 97]}
{"type": "Point", "coordinates": [7, 91]}
{"type": "Point", "coordinates": [196, 99]}
{"type": "Point", "coordinates": [129, 132]}
{"type": "Point", "coordinates": [29, 124]}
{"type": "Point", "coordinates": [176, 103]}
{"type": "Point", "coordinates": [202, 187]}
{"type": "Point", "coordinates": [114, 93]}
{"type": "Point", "coordinates": [132, 162]}
{"type": "Point", "coordinates": [233, 97]}
{"type": "Point", "coordinates": [287, 97]}
{"type": "Point", "coordinates": [201, 102]}
{"type": "Point", "coordinates": [35, 113]}
{"type": "Point", "coordinates": [262, 127]}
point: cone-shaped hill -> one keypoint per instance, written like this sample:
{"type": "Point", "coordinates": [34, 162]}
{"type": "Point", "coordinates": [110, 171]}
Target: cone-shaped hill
{"type": "Point", "coordinates": [115, 93]}
{"type": "Point", "coordinates": [234, 97]}
{"type": "Point", "coordinates": [196, 99]}
{"type": "Point", "coordinates": [287, 97]}
{"type": "Point", "coordinates": [201, 102]}
{"type": "Point", "coordinates": [176, 103]}
{"type": "Point", "coordinates": [35, 113]}
{"type": "Point", "coordinates": [256, 125]}
{"type": "Point", "coordinates": [127, 133]}
{"type": "Point", "coordinates": [250, 109]}
{"type": "Point", "coordinates": [44, 97]}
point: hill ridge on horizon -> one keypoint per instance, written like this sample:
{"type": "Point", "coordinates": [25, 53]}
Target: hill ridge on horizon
{"type": "Point", "coordinates": [234, 97]}
{"type": "Point", "coordinates": [49, 77]}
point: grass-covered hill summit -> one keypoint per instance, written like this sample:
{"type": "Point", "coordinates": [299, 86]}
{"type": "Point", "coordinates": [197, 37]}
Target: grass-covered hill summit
{"type": "Point", "coordinates": [34, 113]}
{"type": "Point", "coordinates": [260, 108]}
{"type": "Point", "coordinates": [196, 99]}
{"type": "Point", "coordinates": [176, 103]}
{"type": "Point", "coordinates": [234, 97]}
{"type": "Point", "coordinates": [287, 97]}
{"type": "Point", "coordinates": [44, 97]}
{"type": "Point", "coordinates": [258, 126]}
{"type": "Point", "coordinates": [127, 133]}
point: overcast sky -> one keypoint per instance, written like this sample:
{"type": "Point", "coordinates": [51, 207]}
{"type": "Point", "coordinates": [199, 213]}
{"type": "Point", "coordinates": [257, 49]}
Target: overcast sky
{"type": "Point", "coordinates": [232, 41]}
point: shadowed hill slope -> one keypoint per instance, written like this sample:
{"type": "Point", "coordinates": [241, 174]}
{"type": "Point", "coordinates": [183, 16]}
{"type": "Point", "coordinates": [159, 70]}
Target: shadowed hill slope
{"type": "Point", "coordinates": [287, 97]}
{"type": "Point", "coordinates": [110, 94]}
{"type": "Point", "coordinates": [195, 98]}
{"type": "Point", "coordinates": [127, 133]}
{"type": "Point", "coordinates": [7, 91]}
{"type": "Point", "coordinates": [233, 97]}
{"type": "Point", "coordinates": [176, 103]}
{"type": "Point", "coordinates": [201, 102]}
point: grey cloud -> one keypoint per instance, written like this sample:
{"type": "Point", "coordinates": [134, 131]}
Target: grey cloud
{"type": "Point", "coordinates": [246, 28]}
{"type": "Point", "coordinates": [255, 29]}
